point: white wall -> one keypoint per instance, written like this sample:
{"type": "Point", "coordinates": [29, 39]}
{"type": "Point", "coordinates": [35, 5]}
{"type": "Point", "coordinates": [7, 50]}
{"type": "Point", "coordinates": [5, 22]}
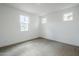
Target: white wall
{"type": "Point", "coordinates": [59, 30]}
{"type": "Point", "coordinates": [54, 29]}
{"type": "Point", "coordinates": [10, 26]}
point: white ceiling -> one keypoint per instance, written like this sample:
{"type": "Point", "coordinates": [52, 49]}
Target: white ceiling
{"type": "Point", "coordinates": [41, 8]}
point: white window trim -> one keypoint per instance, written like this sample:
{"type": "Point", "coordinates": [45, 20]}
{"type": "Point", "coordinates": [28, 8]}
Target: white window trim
{"type": "Point", "coordinates": [44, 20]}
{"type": "Point", "coordinates": [68, 16]}
{"type": "Point", "coordinates": [24, 22]}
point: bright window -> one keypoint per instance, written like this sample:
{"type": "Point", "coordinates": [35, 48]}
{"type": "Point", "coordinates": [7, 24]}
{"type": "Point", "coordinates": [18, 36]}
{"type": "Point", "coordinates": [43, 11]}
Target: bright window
{"type": "Point", "coordinates": [68, 16]}
{"type": "Point", "coordinates": [24, 21]}
{"type": "Point", "coordinates": [44, 20]}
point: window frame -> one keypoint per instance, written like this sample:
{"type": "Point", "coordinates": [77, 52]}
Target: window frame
{"type": "Point", "coordinates": [68, 16]}
{"type": "Point", "coordinates": [44, 20]}
{"type": "Point", "coordinates": [24, 21]}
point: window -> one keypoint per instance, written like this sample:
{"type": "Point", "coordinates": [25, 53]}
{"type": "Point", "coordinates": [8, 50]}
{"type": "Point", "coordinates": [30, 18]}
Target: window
{"type": "Point", "coordinates": [44, 20]}
{"type": "Point", "coordinates": [24, 21]}
{"type": "Point", "coordinates": [68, 16]}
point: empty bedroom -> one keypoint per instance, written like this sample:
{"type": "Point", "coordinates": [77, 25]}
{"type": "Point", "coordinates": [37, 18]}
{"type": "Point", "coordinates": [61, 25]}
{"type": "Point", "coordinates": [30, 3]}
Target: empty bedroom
{"type": "Point", "coordinates": [39, 29]}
